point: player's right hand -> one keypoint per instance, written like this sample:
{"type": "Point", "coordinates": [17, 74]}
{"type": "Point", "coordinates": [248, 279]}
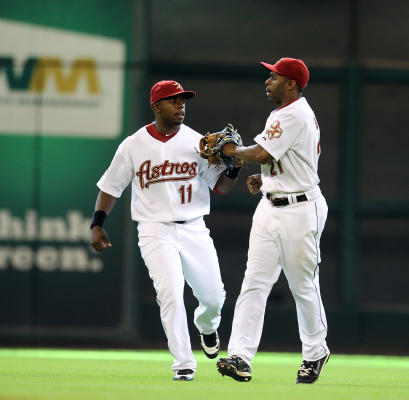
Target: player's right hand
{"type": "Point", "coordinates": [99, 238]}
{"type": "Point", "coordinates": [254, 183]}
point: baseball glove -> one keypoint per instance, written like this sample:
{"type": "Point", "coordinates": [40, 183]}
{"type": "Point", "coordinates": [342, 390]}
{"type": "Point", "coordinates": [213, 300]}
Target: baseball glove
{"type": "Point", "coordinates": [211, 146]}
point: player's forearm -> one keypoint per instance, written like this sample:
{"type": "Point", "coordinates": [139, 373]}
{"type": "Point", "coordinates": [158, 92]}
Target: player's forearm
{"type": "Point", "coordinates": [251, 154]}
{"type": "Point", "coordinates": [225, 184]}
{"type": "Point", "coordinates": [105, 202]}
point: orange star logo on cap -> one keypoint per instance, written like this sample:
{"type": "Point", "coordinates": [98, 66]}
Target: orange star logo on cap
{"type": "Point", "coordinates": [274, 131]}
{"type": "Point", "coordinates": [178, 85]}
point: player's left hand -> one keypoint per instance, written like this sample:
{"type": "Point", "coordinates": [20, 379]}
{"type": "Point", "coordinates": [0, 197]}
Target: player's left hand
{"type": "Point", "coordinates": [254, 183]}
{"type": "Point", "coordinates": [212, 147]}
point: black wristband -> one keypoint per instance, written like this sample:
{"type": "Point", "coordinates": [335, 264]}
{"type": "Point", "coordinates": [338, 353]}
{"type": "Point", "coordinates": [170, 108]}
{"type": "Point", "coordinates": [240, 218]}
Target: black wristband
{"type": "Point", "coordinates": [98, 218]}
{"type": "Point", "coordinates": [232, 173]}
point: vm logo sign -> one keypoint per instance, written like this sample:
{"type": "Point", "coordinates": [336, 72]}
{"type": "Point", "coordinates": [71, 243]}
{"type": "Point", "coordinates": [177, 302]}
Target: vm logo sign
{"type": "Point", "coordinates": [38, 72]}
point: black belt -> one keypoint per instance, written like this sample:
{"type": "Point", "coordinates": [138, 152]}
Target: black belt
{"type": "Point", "coordinates": [283, 201]}
{"type": "Point", "coordinates": [179, 222]}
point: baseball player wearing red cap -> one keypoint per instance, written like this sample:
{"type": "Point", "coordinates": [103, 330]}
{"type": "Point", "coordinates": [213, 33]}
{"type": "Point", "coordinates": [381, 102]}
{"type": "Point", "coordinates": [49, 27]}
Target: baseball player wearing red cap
{"type": "Point", "coordinates": [170, 196]}
{"type": "Point", "coordinates": [287, 225]}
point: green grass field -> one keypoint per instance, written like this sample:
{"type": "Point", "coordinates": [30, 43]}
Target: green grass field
{"type": "Point", "coordinates": [42, 374]}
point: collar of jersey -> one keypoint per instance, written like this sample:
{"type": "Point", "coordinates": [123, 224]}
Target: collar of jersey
{"type": "Point", "coordinates": [157, 135]}
{"type": "Point", "coordinates": [285, 105]}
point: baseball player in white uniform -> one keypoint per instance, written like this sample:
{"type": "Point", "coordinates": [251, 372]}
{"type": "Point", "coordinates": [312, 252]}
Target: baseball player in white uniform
{"type": "Point", "coordinates": [287, 225]}
{"type": "Point", "coordinates": [170, 196]}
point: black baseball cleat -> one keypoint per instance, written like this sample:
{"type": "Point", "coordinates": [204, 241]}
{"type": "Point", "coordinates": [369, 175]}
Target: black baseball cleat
{"type": "Point", "coordinates": [210, 344]}
{"type": "Point", "coordinates": [310, 371]}
{"type": "Point", "coordinates": [184, 375]}
{"type": "Point", "coordinates": [235, 367]}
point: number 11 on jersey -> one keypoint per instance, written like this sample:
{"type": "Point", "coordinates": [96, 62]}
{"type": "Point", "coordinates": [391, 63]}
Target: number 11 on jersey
{"type": "Point", "coordinates": [182, 193]}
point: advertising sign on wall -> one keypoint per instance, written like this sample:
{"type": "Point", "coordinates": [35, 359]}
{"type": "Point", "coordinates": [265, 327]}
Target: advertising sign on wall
{"type": "Point", "coordinates": [59, 82]}
{"type": "Point", "coordinates": [63, 111]}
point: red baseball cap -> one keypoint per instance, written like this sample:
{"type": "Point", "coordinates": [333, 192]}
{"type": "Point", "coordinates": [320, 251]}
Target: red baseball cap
{"type": "Point", "coordinates": [164, 89]}
{"type": "Point", "coordinates": [291, 68]}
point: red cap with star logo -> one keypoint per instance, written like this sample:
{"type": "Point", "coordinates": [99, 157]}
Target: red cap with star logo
{"type": "Point", "coordinates": [164, 89]}
{"type": "Point", "coordinates": [291, 68]}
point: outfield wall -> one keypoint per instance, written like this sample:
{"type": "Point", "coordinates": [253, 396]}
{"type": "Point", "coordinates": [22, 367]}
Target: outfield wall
{"type": "Point", "coordinates": [64, 107]}
{"type": "Point", "coordinates": [74, 81]}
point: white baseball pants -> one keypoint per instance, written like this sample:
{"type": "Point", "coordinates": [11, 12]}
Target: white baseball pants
{"type": "Point", "coordinates": [283, 238]}
{"type": "Point", "coordinates": [174, 253]}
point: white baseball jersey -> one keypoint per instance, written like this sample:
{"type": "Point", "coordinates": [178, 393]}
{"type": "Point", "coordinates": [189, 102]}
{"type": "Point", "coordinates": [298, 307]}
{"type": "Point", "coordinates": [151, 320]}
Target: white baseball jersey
{"type": "Point", "coordinates": [170, 180]}
{"type": "Point", "coordinates": [292, 137]}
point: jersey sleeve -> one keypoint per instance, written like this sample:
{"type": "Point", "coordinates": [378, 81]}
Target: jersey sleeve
{"type": "Point", "coordinates": [279, 135]}
{"type": "Point", "coordinates": [119, 174]}
{"type": "Point", "coordinates": [211, 174]}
